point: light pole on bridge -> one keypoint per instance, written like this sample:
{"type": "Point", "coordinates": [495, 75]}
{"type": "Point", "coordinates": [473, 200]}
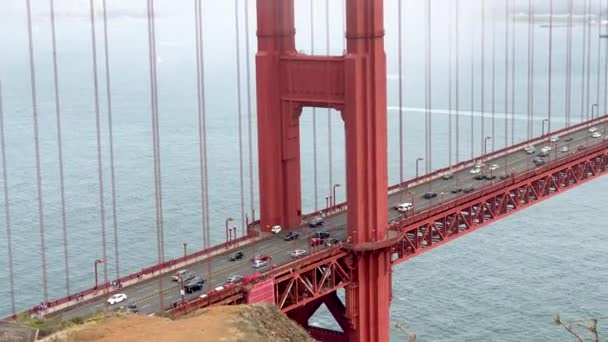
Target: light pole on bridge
{"type": "Point", "coordinates": [334, 193]}
{"type": "Point", "coordinates": [419, 159]}
{"type": "Point", "coordinates": [485, 146]}
{"type": "Point", "coordinates": [543, 126]}
{"type": "Point", "coordinates": [228, 220]}
{"type": "Point", "coordinates": [596, 110]}
{"type": "Point", "coordinates": [98, 261]}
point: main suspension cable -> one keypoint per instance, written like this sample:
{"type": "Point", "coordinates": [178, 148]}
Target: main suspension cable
{"type": "Point", "coordinates": [37, 151]}
{"type": "Point", "coordinates": [550, 65]}
{"type": "Point", "coordinates": [506, 72]}
{"type": "Point", "coordinates": [605, 71]}
{"type": "Point", "coordinates": [493, 80]}
{"type": "Point", "coordinates": [60, 150]}
{"type": "Point", "coordinates": [7, 211]}
{"type": "Point", "coordinates": [239, 112]}
{"type": "Point", "coordinates": [457, 14]}
{"type": "Point", "coordinates": [111, 134]}
{"type": "Point", "coordinates": [450, 14]}
{"type": "Point", "coordinates": [513, 74]}
{"type": "Point", "coordinates": [314, 114]}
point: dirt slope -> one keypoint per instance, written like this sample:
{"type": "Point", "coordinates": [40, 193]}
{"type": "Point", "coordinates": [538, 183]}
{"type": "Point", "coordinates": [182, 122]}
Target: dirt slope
{"type": "Point", "coordinates": [248, 323]}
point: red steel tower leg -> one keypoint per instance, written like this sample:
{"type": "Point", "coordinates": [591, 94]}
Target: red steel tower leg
{"type": "Point", "coordinates": [355, 84]}
{"type": "Point", "coordinates": [278, 126]}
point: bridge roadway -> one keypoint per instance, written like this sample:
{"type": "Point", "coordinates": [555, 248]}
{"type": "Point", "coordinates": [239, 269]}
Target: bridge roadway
{"type": "Point", "coordinates": [145, 294]}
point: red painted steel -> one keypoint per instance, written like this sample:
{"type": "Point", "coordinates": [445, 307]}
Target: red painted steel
{"type": "Point", "coordinates": [262, 292]}
{"type": "Point", "coordinates": [439, 225]}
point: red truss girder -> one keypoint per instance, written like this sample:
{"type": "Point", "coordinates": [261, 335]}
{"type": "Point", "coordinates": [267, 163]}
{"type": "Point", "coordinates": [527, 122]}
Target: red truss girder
{"type": "Point", "coordinates": [307, 282]}
{"type": "Point", "coordinates": [460, 216]}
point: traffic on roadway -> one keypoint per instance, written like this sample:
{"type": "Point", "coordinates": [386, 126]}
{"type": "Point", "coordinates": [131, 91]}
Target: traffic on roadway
{"type": "Point", "coordinates": [319, 233]}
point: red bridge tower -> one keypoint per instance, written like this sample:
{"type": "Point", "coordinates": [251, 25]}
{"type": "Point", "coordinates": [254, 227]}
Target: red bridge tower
{"type": "Point", "coordinates": [354, 84]}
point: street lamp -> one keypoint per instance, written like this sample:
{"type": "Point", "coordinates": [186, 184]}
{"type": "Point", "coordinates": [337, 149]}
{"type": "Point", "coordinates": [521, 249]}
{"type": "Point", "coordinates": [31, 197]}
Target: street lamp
{"type": "Point", "coordinates": [485, 145]}
{"type": "Point", "coordinates": [97, 262]}
{"type": "Point", "coordinates": [326, 202]}
{"type": "Point", "coordinates": [547, 121]}
{"type": "Point", "coordinates": [228, 220]}
{"type": "Point", "coordinates": [185, 250]}
{"type": "Point", "coordinates": [334, 192]}
{"type": "Point", "coordinates": [419, 159]}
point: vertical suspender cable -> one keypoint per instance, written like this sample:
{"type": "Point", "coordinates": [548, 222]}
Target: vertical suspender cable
{"type": "Point", "coordinates": [111, 134]}
{"type": "Point", "coordinates": [513, 73]}
{"type": "Point", "coordinates": [239, 111]}
{"type": "Point", "coordinates": [7, 213]}
{"type": "Point", "coordinates": [584, 40]}
{"type": "Point", "coordinates": [428, 88]}
{"type": "Point", "coordinates": [483, 74]}
{"type": "Point", "coordinates": [493, 79]}
{"type": "Point", "coordinates": [550, 64]}
{"type": "Point", "coordinates": [37, 151]}
{"type": "Point", "coordinates": [60, 151]}
{"type": "Point", "coordinates": [329, 144]}
{"type": "Point", "coordinates": [605, 71]}
{"type": "Point", "coordinates": [450, 85]}
{"type": "Point", "coordinates": [588, 23]}
{"type": "Point", "coordinates": [202, 138]}
{"type": "Point", "coordinates": [249, 111]}
{"type": "Point", "coordinates": [102, 209]}
{"type": "Point", "coordinates": [533, 22]}
{"type": "Point", "coordinates": [506, 72]}
{"type": "Point", "coordinates": [430, 104]}
{"type": "Point", "coordinates": [400, 64]}
{"type": "Point", "coordinates": [457, 14]}
{"type": "Point", "coordinates": [314, 112]}
{"type": "Point", "coordinates": [529, 97]}
{"type": "Point", "coordinates": [598, 69]}
{"type": "Point", "coordinates": [472, 93]}
{"type": "Point", "coordinates": [154, 107]}
{"type": "Point", "coordinates": [568, 65]}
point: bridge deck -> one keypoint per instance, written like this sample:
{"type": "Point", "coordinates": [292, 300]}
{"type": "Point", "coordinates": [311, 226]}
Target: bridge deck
{"type": "Point", "coordinates": [145, 292]}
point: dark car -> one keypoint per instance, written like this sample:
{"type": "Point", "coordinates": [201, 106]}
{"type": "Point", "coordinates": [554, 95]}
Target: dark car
{"type": "Point", "coordinates": [196, 284]}
{"type": "Point", "coordinates": [505, 176]}
{"type": "Point", "coordinates": [538, 161]}
{"type": "Point", "coordinates": [456, 190]}
{"type": "Point", "coordinates": [315, 221]}
{"type": "Point", "coordinates": [429, 195]}
{"type": "Point", "coordinates": [132, 308]}
{"type": "Point", "coordinates": [236, 256]}
{"type": "Point", "coordinates": [469, 189]}
{"type": "Point", "coordinates": [582, 147]}
{"type": "Point", "coordinates": [488, 177]}
{"type": "Point", "coordinates": [479, 177]}
{"type": "Point", "coordinates": [568, 139]}
{"type": "Point", "coordinates": [321, 235]}
{"type": "Point", "coordinates": [291, 236]}
{"type": "Point", "coordinates": [448, 176]}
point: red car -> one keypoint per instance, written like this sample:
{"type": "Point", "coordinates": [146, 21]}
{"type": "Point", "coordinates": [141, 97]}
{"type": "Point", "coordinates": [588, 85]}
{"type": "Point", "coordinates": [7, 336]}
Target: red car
{"type": "Point", "coordinates": [316, 242]}
{"type": "Point", "coordinates": [261, 258]}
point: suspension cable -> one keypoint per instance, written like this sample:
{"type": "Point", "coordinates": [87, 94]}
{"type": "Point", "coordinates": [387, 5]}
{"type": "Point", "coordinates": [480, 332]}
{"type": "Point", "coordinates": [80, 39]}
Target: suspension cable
{"type": "Point", "coordinates": [605, 71]}
{"type": "Point", "coordinates": [427, 97]}
{"type": "Point", "coordinates": [102, 210]}
{"type": "Point", "coordinates": [472, 94]}
{"type": "Point", "coordinates": [513, 74]}
{"type": "Point", "coordinates": [483, 75]}
{"type": "Point", "coordinates": [530, 62]}
{"type": "Point", "coordinates": [202, 138]}
{"type": "Point", "coordinates": [60, 150]}
{"type": "Point", "coordinates": [37, 151]}
{"type": "Point", "coordinates": [314, 113]}
{"type": "Point", "coordinates": [493, 79]}
{"type": "Point", "coordinates": [457, 14]}
{"type": "Point", "coordinates": [400, 64]}
{"type": "Point", "coordinates": [598, 70]}
{"type": "Point", "coordinates": [450, 14]}
{"type": "Point", "coordinates": [239, 111]}
{"type": "Point", "coordinates": [154, 109]}
{"type": "Point", "coordinates": [550, 65]}
{"type": "Point", "coordinates": [533, 22]}
{"type": "Point", "coordinates": [506, 72]}
{"type": "Point", "coordinates": [111, 134]}
{"type": "Point", "coordinates": [569, 65]}
{"type": "Point", "coordinates": [329, 140]}
{"type": "Point", "coordinates": [7, 212]}
{"type": "Point", "coordinates": [249, 111]}
{"type": "Point", "coordinates": [588, 23]}
{"type": "Point", "coordinates": [584, 40]}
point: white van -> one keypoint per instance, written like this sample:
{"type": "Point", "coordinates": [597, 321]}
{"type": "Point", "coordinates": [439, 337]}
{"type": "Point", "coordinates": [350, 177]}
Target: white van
{"type": "Point", "coordinates": [405, 207]}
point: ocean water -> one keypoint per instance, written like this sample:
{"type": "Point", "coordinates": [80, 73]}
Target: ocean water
{"type": "Point", "coordinates": [503, 283]}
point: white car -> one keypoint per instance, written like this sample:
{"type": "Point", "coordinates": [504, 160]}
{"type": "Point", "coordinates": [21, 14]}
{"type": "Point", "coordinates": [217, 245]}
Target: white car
{"type": "Point", "coordinates": [493, 167]}
{"type": "Point", "coordinates": [530, 149]}
{"type": "Point", "coordinates": [596, 135]}
{"type": "Point", "coordinates": [475, 170]}
{"type": "Point", "coordinates": [545, 149]}
{"type": "Point", "coordinates": [405, 207]}
{"type": "Point", "coordinates": [298, 253]}
{"type": "Point", "coordinates": [592, 129]}
{"type": "Point", "coordinates": [564, 149]}
{"type": "Point", "coordinates": [276, 229]}
{"type": "Point", "coordinates": [259, 263]}
{"type": "Point", "coordinates": [554, 138]}
{"type": "Point", "coordinates": [117, 298]}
